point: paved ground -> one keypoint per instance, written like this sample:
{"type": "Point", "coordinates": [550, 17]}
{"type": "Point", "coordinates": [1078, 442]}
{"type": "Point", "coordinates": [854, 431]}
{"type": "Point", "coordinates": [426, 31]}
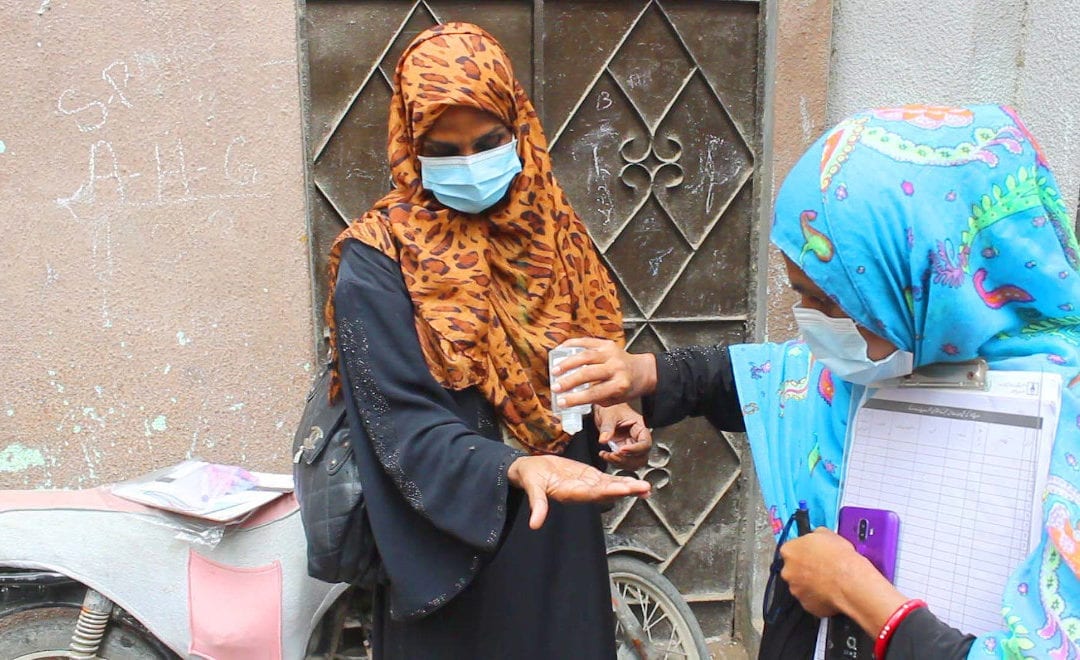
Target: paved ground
{"type": "Point", "coordinates": [727, 650]}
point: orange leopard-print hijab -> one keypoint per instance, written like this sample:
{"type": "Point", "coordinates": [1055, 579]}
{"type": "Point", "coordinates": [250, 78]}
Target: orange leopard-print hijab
{"type": "Point", "coordinates": [493, 293]}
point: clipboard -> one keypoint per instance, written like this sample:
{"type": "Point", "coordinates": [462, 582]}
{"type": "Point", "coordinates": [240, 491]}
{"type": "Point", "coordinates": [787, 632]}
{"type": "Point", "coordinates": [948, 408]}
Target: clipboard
{"type": "Point", "coordinates": [957, 463]}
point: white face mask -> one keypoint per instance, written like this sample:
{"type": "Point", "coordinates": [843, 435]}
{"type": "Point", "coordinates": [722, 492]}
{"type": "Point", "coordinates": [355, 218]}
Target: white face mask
{"type": "Point", "coordinates": [839, 346]}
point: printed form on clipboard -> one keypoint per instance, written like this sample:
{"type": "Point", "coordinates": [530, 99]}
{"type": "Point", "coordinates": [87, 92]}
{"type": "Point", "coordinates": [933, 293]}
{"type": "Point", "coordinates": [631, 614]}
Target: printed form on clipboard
{"type": "Point", "coordinates": [965, 471]}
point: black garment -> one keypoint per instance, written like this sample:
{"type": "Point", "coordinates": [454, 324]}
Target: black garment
{"type": "Point", "coordinates": [699, 380]}
{"type": "Point", "coordinates": [923, 635]}
{"type": "Point", "coordinates": [694, 381]}
{"type": "Point", "coordinates": [790, 632]}
{"type": "Point", "coordinates": [465, 579]}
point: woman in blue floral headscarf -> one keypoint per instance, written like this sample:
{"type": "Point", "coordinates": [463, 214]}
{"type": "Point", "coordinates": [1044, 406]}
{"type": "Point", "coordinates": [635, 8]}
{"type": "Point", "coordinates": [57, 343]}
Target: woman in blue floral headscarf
{"type": "Point", "coordinates": [932, 234]}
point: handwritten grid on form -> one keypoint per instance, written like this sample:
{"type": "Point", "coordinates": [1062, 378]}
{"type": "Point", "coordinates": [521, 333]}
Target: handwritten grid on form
{"type": "Point", "coordinates": [965, 480]}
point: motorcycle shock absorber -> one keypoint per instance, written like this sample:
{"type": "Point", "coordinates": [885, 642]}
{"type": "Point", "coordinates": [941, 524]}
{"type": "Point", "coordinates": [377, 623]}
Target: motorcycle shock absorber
{"type": "Point", "coordinates": [90, 628]}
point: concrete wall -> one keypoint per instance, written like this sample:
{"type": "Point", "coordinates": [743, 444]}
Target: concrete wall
{"type": "Point", "coordinates": [795, 82]}
{"type": "Point", "coordinates": [153, 267]}
{"type": "Point", "coordinates": [1024, 53]}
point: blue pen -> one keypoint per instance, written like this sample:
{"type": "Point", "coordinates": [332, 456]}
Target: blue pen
{"type": "Point", "coordinates": [802, 519]}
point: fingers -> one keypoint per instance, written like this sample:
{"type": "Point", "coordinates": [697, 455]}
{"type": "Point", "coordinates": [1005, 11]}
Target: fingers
{"type": "Point", "coordinates": [588, 342]}
{"type": "Point", "coordinates": [607, 432]}
{"type": "Point", "coordinates": [577, 360]}
{"type": "Point", "coordinates": [614, 488]}
{"type": "Point", "coordinates": [625, 462]}
{"type": "Point", "coordinates": [636, 447]}
{"type": "Point", "coordinates": [789, 550]}
{"type": "Point", "coordinates": [571, 399]}
{"type": "Point", "coordinates": [538, 504]}
{"type": "Point", "coordinates": [632, 455]}
{"type": "Point", "coordinates": [592, 485]}
{"type": "Point", "coordinates": [624, 429]}
{"type": "Point", "coordinates": [606, 424]}
{"type": "Point", "coordinates": [641, 433]}
{"type": "Point", "coordinates": [597, 351]}
{"type": "Point", "coordinates": [633, 486]}
{"type": "Point", "coordinates": [566, 480]}
{"type": "Point", "coordinates": [530, 473]}
{"type": "Point", "coordinates": [589, 373]}
{"type": "Point", "coordinates": [603, 394]}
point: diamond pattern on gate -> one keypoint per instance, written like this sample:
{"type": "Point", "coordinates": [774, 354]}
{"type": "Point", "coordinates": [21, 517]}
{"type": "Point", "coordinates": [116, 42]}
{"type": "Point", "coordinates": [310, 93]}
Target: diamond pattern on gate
{"type": "Point", "coordinates": [651, 64]}
{"type": "Point", "coordinates": [663, 159]}
{"type": "Point", "coordinates": [345, 157]}
{"type": "Point", "coordinates": [688, 484]}
{"type": "Point", "coordinates": [663, 162]}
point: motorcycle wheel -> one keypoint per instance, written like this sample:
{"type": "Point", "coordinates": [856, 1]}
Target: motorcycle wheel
{"type": "Point", "coordinates": [671, 629]}
{"type": "Point", "coordinates": [44, 632]}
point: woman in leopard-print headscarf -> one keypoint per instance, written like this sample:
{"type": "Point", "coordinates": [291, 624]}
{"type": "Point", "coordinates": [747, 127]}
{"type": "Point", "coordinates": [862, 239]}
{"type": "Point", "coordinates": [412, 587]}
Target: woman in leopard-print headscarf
{"type": "Point", "coordinates": [445, 299]}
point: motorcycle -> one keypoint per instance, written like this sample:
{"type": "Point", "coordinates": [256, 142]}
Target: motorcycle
{"type": "Point", "coordinates": [89, 574]}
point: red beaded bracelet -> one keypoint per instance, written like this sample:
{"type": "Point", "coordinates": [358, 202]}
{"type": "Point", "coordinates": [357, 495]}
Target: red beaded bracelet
{"type": "Point", "coordinates": [881, 645]}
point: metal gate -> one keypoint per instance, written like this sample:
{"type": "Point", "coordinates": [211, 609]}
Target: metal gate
{"type": "Point", "coordinates": [652, 111]}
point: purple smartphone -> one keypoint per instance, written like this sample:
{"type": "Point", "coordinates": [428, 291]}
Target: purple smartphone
{"type": "Point", "coordinates": [874, 533]}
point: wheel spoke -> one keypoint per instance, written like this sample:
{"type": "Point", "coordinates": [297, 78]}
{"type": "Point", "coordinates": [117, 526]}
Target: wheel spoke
{"type": "Point", "coordinates": [651, 613]}
{"type": "Point", "coordinates": [674, 643]}
{"type": "Point", "coordinates": [660, 621]}
{"type": "Point", "coordinates": [663, 617]}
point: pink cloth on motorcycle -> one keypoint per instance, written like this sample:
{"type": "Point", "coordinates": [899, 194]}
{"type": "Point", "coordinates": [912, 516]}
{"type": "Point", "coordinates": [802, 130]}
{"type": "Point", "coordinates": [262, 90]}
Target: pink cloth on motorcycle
{"type": "Point", "coordinates": [235, 612]}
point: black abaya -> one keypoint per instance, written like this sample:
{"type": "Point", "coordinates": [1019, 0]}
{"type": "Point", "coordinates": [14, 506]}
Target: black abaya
{"type": "Point", "coordinates": [466, 577]}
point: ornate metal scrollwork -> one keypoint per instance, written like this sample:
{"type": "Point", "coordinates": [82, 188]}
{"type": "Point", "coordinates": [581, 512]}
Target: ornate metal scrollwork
{"type": "Point", "coordinates": [652, 166]}
{"type": "Point", "coordinates": [655, 471]}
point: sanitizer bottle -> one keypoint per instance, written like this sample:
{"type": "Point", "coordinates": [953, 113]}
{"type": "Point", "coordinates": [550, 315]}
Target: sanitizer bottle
{"type": "Point", "coordinates": [571, 417]}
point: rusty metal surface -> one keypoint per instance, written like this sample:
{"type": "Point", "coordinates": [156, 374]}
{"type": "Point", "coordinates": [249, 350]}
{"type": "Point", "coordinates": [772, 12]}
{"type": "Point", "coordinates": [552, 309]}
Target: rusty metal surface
{"type": "Point", "coordinates": [651, 109]}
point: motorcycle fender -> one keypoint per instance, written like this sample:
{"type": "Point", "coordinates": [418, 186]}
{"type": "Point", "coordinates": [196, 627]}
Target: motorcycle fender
{"type": "Point", "coordinates": [135, 559]}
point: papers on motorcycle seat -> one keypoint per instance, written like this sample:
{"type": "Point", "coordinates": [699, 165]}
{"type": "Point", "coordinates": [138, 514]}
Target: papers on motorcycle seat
{"type": "Point", "coordinates": [965, 471]}
{"type": "Point", "coordinates": [210, 491]}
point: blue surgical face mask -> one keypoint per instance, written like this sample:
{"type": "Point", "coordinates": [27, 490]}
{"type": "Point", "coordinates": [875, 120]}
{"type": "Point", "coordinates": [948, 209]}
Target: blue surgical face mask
{"type": "Point", "coordinates": [838, 345]}
{"type": "Point", "coordinates": [471, 184]}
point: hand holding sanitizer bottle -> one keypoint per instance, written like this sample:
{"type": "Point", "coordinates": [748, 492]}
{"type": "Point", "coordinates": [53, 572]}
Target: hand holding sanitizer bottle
{"type": "Point", "coordinates": [571, 417]}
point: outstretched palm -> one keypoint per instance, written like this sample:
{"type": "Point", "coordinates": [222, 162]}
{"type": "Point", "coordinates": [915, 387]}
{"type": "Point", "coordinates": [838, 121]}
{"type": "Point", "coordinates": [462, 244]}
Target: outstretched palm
{"type": "Point", "coordinates": [566, 480]}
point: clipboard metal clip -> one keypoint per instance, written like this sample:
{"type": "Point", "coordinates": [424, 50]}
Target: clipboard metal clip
{"type": "Point", "coordinates": [969, 375]}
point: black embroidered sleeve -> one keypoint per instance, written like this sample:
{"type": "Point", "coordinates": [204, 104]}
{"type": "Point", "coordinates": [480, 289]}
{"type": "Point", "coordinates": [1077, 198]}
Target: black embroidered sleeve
{"type": "Point", "coordinates": [449, 473]}
{"type": "Point", "coordinates": [694, 381]}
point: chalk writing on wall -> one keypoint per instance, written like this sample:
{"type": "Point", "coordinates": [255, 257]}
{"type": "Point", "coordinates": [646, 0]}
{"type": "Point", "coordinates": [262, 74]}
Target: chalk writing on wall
{"type": "Point", "coordinates": [140, 155]}
{"type": "Point", "coordinates": [91, 109]}
{"type": "Point", "coordinates": [111, 180]}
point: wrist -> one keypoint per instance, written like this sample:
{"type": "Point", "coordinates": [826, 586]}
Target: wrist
{"type": "Point", "coordinates": [850, 580]}
{"type": "Point", "coordinates": [881, 643]}
{"type": "Point", "coordinates": [864, 594]}
{"type": "Point", "coordinates": [644, 371]}
{"type": "Point", "coordinates": [513, 473]}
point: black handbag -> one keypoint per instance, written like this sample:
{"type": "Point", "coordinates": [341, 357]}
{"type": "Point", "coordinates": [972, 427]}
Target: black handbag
{"type": "Point", "coordinates": [340, 545]}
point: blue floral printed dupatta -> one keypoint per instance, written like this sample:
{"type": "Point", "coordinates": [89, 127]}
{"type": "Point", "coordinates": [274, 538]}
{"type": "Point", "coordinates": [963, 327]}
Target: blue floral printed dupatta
{"type": "Point", "coordinates": [942, 230]}
{"type": "Point", "coordinates": [796, 421]}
